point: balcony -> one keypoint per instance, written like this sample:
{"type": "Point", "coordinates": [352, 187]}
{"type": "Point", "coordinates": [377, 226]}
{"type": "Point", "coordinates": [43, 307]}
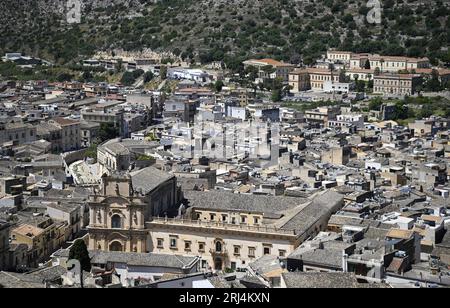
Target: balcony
{"type": "Point", "coordinates": [220, 253]}
{"type": "Point", "coordinates": [208, 225]}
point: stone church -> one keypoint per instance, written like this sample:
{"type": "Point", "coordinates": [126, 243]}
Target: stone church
{"type": "Point", "coordinates": [125, 201]}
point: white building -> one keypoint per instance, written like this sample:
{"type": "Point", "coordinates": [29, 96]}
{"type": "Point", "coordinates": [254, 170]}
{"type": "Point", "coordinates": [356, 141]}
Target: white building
{"type": "Point", "coordinates": [238, 113]}
{"type": "Point", "coordinates": [341, 87]}
{"type": "Point", "coordinates": [346, 120]}
{"type": "Point", "coordinates": [189, 74]}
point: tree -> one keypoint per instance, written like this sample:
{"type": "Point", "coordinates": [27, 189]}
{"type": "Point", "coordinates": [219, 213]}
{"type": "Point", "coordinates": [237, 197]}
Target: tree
{"type": "Point", "coordinates": [343, 76]}
{"type": "Point", "coordinates": [401, 111]}
{"type": "Point", "coordinates": [87, 76]}
{"type": "Point", "coordinates": [107, 131]}
{"type": "Point", "coordinates": [375, 104]}
{"type": "Point", "coordinates": [64, 77]}
{"type": "Point", "coordinates": [287, 90]}
{"type": "Point", "coordinates": [91, 152]}
{"type": "Point", "coordinates": [446, 58]}
{"type": "Point", "coordinates": [138, 73]}
{"type": "Point", "coordinates": [360, 86]}
{"type": "Point", "coordinates": [252, 72]}
{"type": "Point", "coordinates": [268, 69]}
{"type": "Point", "coordinates": [218, 86]}
{"type": "Point", "coordinates": [426, 111]}
{"type": "Point", "coordinates": [128, 79]}
{"type": "Point", "coordinates": [119, 66]}
{"type": "Point", "coordinates": [79, 252]}
{"type": "Point", "coordinates": [277, 89]}
{"type": "Point", "coordinates": [163, 72]}
{"type": "Point", "coordinates": [276, 95]}
{"type": "Point", "coordinates": [433, 84]}
{"type": "Point", "coordinates": [148, 76]}
{"type": "Point", "coordinates": [143, 157]}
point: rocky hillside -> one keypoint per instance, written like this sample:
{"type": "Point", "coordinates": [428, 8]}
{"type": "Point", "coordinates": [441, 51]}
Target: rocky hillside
{"type": "Point", "coordinates": [226, 29]}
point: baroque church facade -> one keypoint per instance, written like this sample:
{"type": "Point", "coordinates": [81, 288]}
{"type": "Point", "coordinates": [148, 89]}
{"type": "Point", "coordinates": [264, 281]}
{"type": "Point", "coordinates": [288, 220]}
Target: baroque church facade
{"type": "Point", "coordinates": [124, 203]}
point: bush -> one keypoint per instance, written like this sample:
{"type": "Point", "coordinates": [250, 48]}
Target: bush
{"type": "Point", "coordinates": [128, 79]}
{"type": "Point", "coordinates": [79, 252]}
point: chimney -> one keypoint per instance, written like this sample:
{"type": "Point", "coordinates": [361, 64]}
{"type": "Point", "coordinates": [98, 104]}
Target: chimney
{"type": "Point", "coordinates": [344, 262]}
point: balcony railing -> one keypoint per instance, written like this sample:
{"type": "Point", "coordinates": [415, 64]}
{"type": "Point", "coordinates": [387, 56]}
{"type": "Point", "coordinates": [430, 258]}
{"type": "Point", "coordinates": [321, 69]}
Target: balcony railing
{"type": "Point", "coordinates": [221, 225]}
{"type": "Point", "coordinates": [215, 252]}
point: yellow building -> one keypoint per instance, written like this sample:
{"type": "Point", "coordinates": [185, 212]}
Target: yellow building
{"type": "Point", "coordinates": [299, 80]}
{"type": "Point", "coordinates": [360, 74]}
{"type": "Point", "coordinates": [339, 56]}
{"type": "Point", "coordinates": [42, 238]}
{"type": "Point", "coordinates": [282, 69]}
{"type": "Point", "coordinates": [396, 84]}
{"type": "Point", "coordinates": [390, 64]}
{"type": "Point", "coordinates": [318, 77]}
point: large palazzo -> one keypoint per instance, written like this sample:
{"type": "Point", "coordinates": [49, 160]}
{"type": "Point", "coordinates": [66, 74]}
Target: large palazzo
{"type": "Point", "coordinates": [224, 229]}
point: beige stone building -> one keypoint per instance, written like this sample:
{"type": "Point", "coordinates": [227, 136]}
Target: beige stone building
{"type": "Point", "coordinates": [396, 84]}
{"type": "Point", "coordinates": [118, 212]}
{"type": "Point", "coordinates": [336, 156]}
{"type": "Point", "coordinates": [422, 128]}
{"type": "Point", "coordinates": [42, 237]}
{"type": "Point", "coordinates": [318, 77]}
{"type": "Point", "coordinates": [322, 115]}
{"type": "Point", "coordinates": [339, 56]}
{"type": "Point", "coordinates": [282, 69]}
{"type": "Point", "coordinates": [390, 64]}
{"type": "Point", "coordinates": [131, 213]}
{"type": "Point", "coordinates": [231, 230]}
{"type": "Point", "coordinates": [17, 133]}
{"type": "Point", "coordinates": [70, 133]}
{"type": "Point", "coordinates": [299, 80]}
{"type": "Point", "coordinates": [360, 74]}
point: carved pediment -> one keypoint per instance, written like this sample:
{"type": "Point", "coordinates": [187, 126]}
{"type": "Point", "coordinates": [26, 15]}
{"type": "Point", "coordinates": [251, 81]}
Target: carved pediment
{"type": "Point", "coordinates": [116, 201]}
{"type": "Point", "coordinates": [116, 236]}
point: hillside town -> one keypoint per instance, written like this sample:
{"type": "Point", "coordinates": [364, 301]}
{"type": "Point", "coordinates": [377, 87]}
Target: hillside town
{"type": "Point", "coordinates": [276, 175]}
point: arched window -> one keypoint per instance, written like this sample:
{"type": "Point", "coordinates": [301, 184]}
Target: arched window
{"type": "Point", "coordinates": [218, 247]}
{"type": "Point", "coordinates": [115, 246]}
{"type": "Point", "coordinates": [116, 222]}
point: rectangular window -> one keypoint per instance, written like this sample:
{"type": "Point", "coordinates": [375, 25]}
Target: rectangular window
{"type": "Point", "coordinates": [251, 252]}
{"type": "Point", "coordinates": [187, 245]}
{"type": "Point", "coordinates": [201, 247]}
{"type": "Point", "coordinates": [243, 219]}
{"type": "Point", "coordinates": [173, 243]}
{"type": "Point", "coordinates": [237, 250]}
{"type": "Point", "coordinates": [160, 243]}
{"type": "Point", "coordinates": [282, 253]}
{"type": "Point", "coordinates": [212, 217]}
